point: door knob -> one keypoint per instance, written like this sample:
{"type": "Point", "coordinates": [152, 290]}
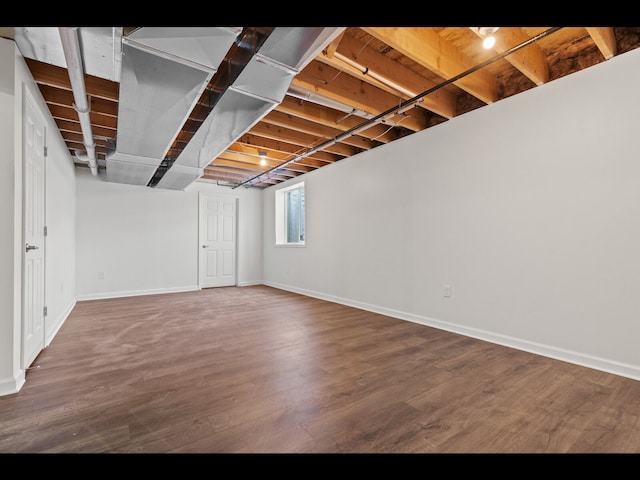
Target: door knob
{"type": "Point", "coordinates": [31, 247]}
{"type": "Point", "coordinates": [204, 246]}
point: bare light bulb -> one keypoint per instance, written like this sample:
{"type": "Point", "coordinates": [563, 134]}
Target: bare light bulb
{"type": "Point", "coordinates": [489, 42]}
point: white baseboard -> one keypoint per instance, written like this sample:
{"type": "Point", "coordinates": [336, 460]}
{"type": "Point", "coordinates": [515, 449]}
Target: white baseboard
{"type": "Point", "coordinates": [9, 386]}
{"type": "Point", "coordinates": [136, 293]}
{"type": "Point", "coordinates": [249, 283]}
{"type": "Point", "coordinates": [577, 358]}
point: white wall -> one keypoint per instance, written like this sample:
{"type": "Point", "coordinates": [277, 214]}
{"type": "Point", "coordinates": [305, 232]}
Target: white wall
{"type": "Point", "coordinates": [11, 377]}
{"type": "Point", "coordinates": [528, 208]}
{"type": "Point", "coordinates": [15, 80]}
{"type": "Point", "coordinates": [60, 291]}
{"type": "Point", "coordinates": [145, 240]}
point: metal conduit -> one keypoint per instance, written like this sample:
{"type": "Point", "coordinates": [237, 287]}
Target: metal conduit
{"type": "Point", "coordinates": [401, 107]}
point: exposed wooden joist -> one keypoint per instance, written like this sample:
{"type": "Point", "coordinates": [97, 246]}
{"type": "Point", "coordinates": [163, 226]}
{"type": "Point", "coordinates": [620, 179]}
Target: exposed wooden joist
{"type": "Point", "coordinates": [530, 60]}
{"type": "Point", "coordinates": [426, 47]}
{"type": "Point", "coordinates": [388, 75]}
{"type": "Point", "coordinates": [302, 139]}
{"type": "Point", "coordinates": [74, 126]}
{"type": "Point", "coordinates": [336, 119]}
{"type": "Point", "coordinates": [343, 88]}
{"type": "Point", "coordinates": [605, 39]}
{"type": "Point", "coordinates": [97, 119]}
{"type": "Point", "coordinates": [286, 147]}
{"type": "Point", "coordinates": [306, 126]}
{"type": "Point", "coordinates": [230, 158]}
{"type": "Point", "coordinates": [65, 98]}
{"type": "Point", "coordinates": [59, 77]}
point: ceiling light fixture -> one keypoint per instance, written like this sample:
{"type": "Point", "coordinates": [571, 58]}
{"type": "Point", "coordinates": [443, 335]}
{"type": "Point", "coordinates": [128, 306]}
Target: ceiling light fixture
{"type": "Point", "coordinates": [263, 157]}
{"type": "Point", "coordinates": [487, 33]}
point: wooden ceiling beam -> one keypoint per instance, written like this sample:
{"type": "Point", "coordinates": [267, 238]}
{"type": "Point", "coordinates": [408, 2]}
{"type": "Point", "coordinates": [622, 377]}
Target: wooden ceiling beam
{"type": "Point", "coordinates": [65, 125]}
{"type": "Point", "coordinates": [80, 147]}
{"type": "Point", "coordinates": [605, 40]}
{"type": "Point", "coordinates": [304, 140]}
{"type": "Point", "coordinates": [335, 118]}
{"type": "Point", "coordinates": [65, 98]}
{"type": "Point", "coordinates": [221, 161]}
{"type": "Point", "coordinates": [79, 138]}
{"type": "Point", "coordinates": [424, 46]}
{"type": "Point", "coordinates": [243, 161]}
{"type": "Point", "coordinates": [225, 177]}
{"type": "Point", "coordinates": [530, 60]}
{"type": "Point", "coordinates": [52, 75]}
{"type": "Point", "coordinates": [389, 75]}
{"type": "Point", "coordinates": [241, 175]}
{"type": "Point", "coordinates": [306, 126]}
{"type": "Point", "coordinates": [245, 153]}
{"type": "Point", "coordinates": [97, 119]}
{"type": "Point", "coordinates": [286, 147]}
{"type": "Point", "coordinates": [347, 90]}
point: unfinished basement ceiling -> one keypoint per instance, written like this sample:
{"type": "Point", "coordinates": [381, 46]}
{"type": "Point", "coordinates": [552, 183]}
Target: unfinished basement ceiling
{"type": "Point", "coordinates": [252, 107]}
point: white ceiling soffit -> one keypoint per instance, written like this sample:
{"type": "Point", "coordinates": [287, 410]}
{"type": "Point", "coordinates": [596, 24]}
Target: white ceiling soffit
{"type": "Point", "coordinates": [100, 48]}
{"type": "Point", "coordinates": [164, 72]}
{"type": "Point", "coordinates": [259, 88]}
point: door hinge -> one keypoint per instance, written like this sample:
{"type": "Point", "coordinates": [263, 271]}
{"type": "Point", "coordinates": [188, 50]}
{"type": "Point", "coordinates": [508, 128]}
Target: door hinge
{"type": "Point", "coordinates": [45, 231]}
{"type": "Point", "coordinates": [45, 310]}
{"type": "Point", "coordinates": [45, 151]}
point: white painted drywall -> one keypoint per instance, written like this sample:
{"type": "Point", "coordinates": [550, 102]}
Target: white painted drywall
{"type": "Point", "coordinates": [143, 240]}
{"type": "Point", "coordinates": [529, 209]}
{"type": "Point", "coordinates": [60, 291]}
{"type": "Point", "coordinates": [10, 376]}
{"type": "Point", "coordinates": [15, 79]}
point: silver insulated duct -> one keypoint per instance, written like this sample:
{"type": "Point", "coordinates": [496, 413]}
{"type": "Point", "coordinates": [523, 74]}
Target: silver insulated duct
{"type": "Point", "coordinates": [164, 70]}
{"type": "Point", "coordinates": [257, 90]}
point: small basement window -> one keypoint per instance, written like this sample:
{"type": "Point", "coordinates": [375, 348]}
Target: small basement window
{"type": "Point", "coordinates": [290, 215]}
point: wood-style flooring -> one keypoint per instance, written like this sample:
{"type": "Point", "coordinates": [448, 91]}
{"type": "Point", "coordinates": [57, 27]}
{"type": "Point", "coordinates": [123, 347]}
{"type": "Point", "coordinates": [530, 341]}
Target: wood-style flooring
{"type": "Point", "coordinates": [261, 370]}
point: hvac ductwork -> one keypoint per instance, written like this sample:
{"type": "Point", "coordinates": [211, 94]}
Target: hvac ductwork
{"type": "Point", "coordinates": [164, 71]}
{"type": "Point", "coordinates": [258, 89]}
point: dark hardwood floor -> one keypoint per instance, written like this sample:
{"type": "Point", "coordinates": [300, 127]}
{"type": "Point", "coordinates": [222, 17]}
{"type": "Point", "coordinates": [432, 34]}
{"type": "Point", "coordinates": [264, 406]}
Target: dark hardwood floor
{"type": "Point", "coordinates": [261, 370]}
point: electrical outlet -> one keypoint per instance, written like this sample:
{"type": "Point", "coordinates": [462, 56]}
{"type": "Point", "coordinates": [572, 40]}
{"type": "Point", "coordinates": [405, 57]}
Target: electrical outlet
{"type": "Point", "coordinates": [100, 275]}
{"type": "Point", "coordinates": [446, 290]}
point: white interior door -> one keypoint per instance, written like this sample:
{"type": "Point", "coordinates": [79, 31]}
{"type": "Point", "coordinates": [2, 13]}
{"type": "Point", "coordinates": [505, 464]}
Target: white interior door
{"type": "Point", "coordinates": [217, 257]}
{"type": "Point", "coordinates": [33, 331]}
